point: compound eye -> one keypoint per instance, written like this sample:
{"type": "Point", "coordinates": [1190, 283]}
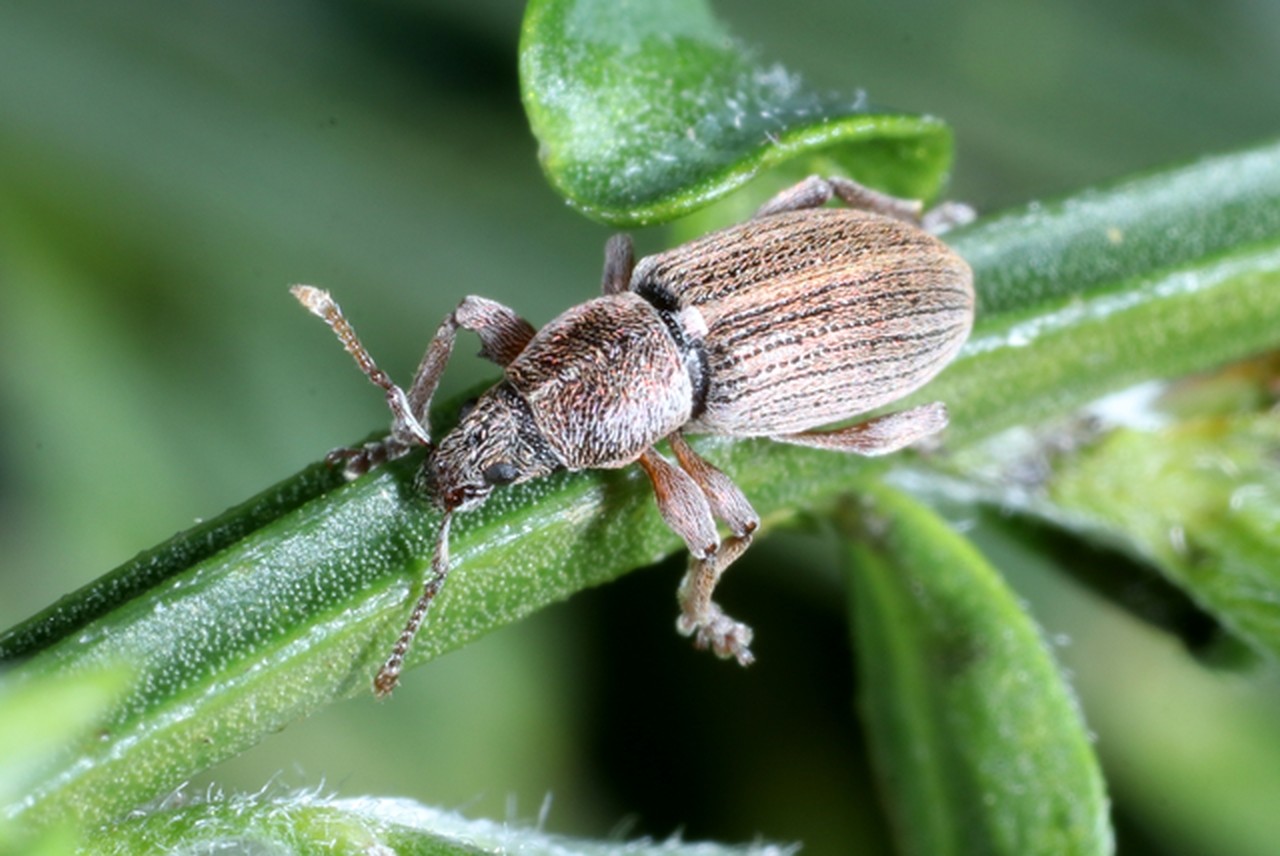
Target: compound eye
{"type": "Point", "coordinates": [499, 474]}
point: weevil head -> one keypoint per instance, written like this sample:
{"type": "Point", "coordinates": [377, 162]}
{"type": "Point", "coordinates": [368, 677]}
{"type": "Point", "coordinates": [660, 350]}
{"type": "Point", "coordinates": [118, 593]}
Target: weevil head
{"type": "Point", "coordinates": [495, 443]}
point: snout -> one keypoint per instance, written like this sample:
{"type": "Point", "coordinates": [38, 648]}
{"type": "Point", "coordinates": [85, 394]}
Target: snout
{"type": "Point", "coordinates": [447, 490]}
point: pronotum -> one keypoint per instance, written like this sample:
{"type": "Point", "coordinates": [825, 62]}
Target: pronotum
{"type": "Point", "coordinates": [800, 317]}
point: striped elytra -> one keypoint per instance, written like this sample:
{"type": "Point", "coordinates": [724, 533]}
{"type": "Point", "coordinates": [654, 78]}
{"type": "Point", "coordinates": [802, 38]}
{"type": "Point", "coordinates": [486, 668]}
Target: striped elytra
{"type": "Point", "coordinates": [813, 317]}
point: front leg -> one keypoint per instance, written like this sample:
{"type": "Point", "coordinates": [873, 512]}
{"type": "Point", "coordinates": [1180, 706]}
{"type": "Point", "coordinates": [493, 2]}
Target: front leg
{"type": "Point", "coordinates": [503, 335]}
{"type": "Point", "coordinates": [727, 501]}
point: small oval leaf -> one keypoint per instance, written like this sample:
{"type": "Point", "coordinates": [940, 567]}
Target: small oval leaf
{"type": "Point", "coordinates": [645, 112]}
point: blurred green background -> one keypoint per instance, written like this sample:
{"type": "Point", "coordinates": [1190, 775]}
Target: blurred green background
{"type": "Point", "coordinates": [166, 170]}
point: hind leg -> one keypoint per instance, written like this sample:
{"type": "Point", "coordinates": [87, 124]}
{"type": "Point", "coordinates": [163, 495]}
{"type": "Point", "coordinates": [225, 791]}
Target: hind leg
{"type": "Point", "coordinates": [816, 191]}
{"type": "Point", "coordinates": [878, 436]}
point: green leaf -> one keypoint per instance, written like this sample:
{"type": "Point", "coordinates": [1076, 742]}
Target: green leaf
{"type": "Point", "coordinates": [1191, 488]}
{"type": "Point", "coordinates": [234, 643]}
{"type": "Point", "coordinates": [39, 720]}
{"type": "Point", "coordinates": [980, 745]}
{"type": "Point", "coordinates": [1201, 499]}
{"type": "Point", "coordinates": [1096, 561]}
{"type": "Point", "coordinates": [303, 823]}
{"type": "Point", "coordinates": [646, 111]}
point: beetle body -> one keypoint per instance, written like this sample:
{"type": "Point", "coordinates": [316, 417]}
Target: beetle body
{"type": "Point", "coordinates": [796, 319]}
{"type": "Point", "coordinates": [768, 328]}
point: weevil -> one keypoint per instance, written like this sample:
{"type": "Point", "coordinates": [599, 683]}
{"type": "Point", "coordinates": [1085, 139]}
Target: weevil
{"type": "Point", "coordinates": [801, 317]}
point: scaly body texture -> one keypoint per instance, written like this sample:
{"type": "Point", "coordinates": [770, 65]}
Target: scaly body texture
{"type": "Point", "coordinates": [801, 317]}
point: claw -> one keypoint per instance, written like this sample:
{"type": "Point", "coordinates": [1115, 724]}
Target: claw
{"type": "Point", "coordinates": [727, 638]}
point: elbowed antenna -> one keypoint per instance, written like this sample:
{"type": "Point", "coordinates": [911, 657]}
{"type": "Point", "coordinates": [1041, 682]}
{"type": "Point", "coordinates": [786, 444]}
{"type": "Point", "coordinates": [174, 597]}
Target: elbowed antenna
{"type": "Point", "coordinates": [405, 429]}
{"type": "Point", "coordinates": [406, 432]}
{"type": "Point", "coordinates": [389, 675]}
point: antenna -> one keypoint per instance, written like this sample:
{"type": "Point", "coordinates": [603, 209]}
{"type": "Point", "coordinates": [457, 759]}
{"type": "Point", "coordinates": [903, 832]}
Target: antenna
{"type": "Point", "coordinates": [389, 675]}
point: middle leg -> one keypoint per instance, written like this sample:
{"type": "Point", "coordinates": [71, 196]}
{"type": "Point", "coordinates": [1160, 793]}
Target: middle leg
{"type": "Point", "coordinates": [689, 500]}
{"type": "Point", "coordinates": [619, 261]}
